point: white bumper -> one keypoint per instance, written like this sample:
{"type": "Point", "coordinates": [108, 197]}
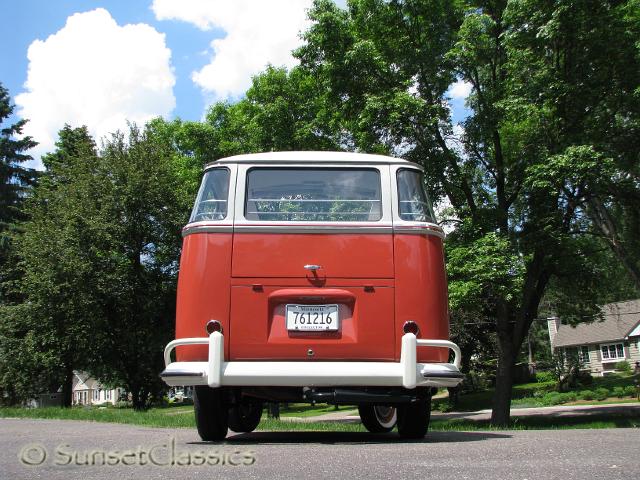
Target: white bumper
{"type": "Point", "coordinates": [407, 373]}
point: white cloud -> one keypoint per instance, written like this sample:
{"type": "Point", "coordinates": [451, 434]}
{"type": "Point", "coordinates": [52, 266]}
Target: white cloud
{"type": "Point", "coordinates": [460, 89]}
{"type": "Point", "coordinates": [96, 73]}
{"type": "Point", "coordinates": [257, 32]}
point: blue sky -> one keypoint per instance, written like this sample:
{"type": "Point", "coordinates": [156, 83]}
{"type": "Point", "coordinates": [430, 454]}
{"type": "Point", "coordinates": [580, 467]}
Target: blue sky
{"type": "Point", "coordinates": [101, 63]}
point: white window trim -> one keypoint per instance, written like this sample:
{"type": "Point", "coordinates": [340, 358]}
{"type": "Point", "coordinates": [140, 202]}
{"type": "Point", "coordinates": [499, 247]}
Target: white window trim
{"type": "Point", "coordinates": [613, 360]}
{"type": "Point", "coordinates": [581, 356]}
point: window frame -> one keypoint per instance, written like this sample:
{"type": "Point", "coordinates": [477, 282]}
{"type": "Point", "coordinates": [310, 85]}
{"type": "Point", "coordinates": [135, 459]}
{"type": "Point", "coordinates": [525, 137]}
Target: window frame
{"type": "Point", "coordinates": [615, 346]}
{"type": "Point", "coordinates": [201, 188]}
{"type": "Point", "coordinates": [431, 212]}
{"type": "Point", "coordinates": [584, 354]}
{"type": "Point", "coordinates": [245, 199]}
{"type": "Point", "coordinates": [241, 223]}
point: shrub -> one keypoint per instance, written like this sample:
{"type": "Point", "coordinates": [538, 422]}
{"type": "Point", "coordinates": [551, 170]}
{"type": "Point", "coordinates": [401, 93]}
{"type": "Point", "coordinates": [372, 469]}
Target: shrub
{"type": "Point", "coordinates": [623, 366]}
{"type": "Point", "coordinates": [570, 396]}
{"type": "Point", "coordinates": [601, 394]}
{"type": "Point", "coordinates": [586, 395]}
{"type": "Point", "coordinates": [553, 398]}
{"type": "Point", "coordinates": [619, 392]}
{"type": "Point", "coordinates": [544, 377]}
{"type": "Point", "coordinates": [630, 391]}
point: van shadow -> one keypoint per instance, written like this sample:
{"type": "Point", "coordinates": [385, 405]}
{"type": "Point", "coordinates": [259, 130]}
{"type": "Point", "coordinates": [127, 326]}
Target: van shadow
{"type": "Point", "coordinates": [358, 438]}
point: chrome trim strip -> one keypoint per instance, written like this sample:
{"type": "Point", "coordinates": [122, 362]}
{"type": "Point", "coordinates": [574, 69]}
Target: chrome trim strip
{"type": "Point", "coordinates": [332, 229]}
{"type": "Point", "coordinates": [181, 373]}
{"type": "Point", "coordinates": [319, 229]}
{"type": "Point", "coordinates": [419, 230]}
{"type": "Point", "coordinates": [189, 229]}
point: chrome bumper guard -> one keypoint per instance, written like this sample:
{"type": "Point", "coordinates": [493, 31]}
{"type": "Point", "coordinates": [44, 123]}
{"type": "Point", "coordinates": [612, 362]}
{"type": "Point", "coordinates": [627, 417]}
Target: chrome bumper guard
{"type": "Point", "coordinates": [407, 373]}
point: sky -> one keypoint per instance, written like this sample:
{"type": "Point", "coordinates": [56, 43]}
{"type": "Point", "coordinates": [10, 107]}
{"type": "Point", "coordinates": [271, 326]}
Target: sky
{"type": "Point", "coordinates": [103, 63]}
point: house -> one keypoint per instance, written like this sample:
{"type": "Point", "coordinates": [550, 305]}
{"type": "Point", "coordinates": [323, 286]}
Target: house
{"type": "Point", "coordinates": [86, 390]}
{"type": "Point", "coordinates": [601, 344]}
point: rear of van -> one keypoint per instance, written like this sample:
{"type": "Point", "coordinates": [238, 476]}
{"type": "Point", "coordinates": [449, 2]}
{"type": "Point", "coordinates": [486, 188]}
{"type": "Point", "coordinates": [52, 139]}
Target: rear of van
{"type": "Point", "coordinates": [303, 272]}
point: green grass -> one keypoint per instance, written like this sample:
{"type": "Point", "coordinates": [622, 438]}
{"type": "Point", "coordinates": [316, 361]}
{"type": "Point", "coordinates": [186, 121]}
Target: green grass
{"type": "Point", "coordinates": [530, 395]}
{"type": "Point", "coordinates": [307, 410]}
{"type": "Point", "coordinates": [180, 417]}
{"type": "Point", "coordinates": [175, 417]}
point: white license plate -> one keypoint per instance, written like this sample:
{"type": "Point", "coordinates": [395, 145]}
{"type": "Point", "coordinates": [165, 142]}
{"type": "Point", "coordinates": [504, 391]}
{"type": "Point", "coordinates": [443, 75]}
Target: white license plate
{"type": "Point", "coordinates": [305, 318]}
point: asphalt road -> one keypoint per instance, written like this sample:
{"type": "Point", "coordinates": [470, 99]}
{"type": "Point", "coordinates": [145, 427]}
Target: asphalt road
{"type": "Point", "coordinates": [118, 451]}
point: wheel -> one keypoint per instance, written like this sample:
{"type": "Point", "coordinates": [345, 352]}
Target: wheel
{"type": "Point", "coordinates": [413, 418]}
{"type": "Point", "coordinates": [378, 418]}
{"type": "Point", "coordinates": [212, 413]}
{"type": "Point", "coordinates": [245, 416]}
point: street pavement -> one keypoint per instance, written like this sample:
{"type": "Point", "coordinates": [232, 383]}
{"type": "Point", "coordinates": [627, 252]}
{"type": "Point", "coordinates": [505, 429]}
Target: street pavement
{"type": "Point", "coordinates": [62, 449]}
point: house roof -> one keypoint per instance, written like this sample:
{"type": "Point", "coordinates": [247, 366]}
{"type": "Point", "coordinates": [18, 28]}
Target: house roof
{"type": "Point", "coordinates": [620, 319]}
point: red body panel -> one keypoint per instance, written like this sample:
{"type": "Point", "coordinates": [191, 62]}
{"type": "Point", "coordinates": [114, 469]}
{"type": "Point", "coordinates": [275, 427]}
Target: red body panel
{"type": "Point", "coordinates": [340, 255]}
{"type": "Point", "coordinates": [379, 280]}
{"type": "Point", "coordinates": [260, 332]}
{"type": "Point", "coordinates": [203, 289]}
{"type": "Point", "coordinates": [421, 291]}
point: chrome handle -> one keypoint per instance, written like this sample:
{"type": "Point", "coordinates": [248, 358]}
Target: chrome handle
{"type": "Point", "coordinates": [312, 267]}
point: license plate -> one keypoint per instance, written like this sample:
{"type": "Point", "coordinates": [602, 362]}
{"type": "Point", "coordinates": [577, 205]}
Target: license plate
{"type": "Point", "coordinates": [309, 318]}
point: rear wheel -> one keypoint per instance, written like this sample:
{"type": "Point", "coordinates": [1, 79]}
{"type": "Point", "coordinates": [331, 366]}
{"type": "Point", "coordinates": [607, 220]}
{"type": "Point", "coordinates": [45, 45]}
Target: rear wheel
{"type": "Point", "coordinates": [378, 418]}
{"type": "Point", "coordinates": [413, 418]}
{"type": "Point", "coordinates": [212, 413]}
{"type": "Point", "coordinates": [245, 416]}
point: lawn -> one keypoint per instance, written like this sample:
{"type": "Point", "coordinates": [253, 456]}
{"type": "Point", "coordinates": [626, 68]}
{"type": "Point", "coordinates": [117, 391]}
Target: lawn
{"type": "Point", "coordinates": [540, 394]}
{"type": "Point", "coordinates": [182, 417]}
{"type": "Point", "coordinates": [307, 410]}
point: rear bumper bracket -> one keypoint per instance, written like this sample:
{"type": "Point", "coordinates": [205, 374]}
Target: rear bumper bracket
{"type": "Point", "coordinates": [408, 373]}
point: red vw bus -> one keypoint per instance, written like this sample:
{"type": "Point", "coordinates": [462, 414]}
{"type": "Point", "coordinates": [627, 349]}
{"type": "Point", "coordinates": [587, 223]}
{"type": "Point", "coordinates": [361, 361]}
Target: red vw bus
{"type": "Point", "coordinates": [312, 277]}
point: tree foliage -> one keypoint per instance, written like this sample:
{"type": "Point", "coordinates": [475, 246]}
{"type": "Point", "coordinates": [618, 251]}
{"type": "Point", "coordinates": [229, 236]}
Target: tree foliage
{"type": "Point", "coordinates": [15, 178]}
{"type": "Point", "coordinates": [98, 259]}
{"type": "Point", "coordinates": [386, 67]}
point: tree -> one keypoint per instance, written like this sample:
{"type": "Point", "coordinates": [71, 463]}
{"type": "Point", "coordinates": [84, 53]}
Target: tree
{"type": "Point", "coordinates": [45, 332]}
{"type": "Point", "coordinates": [98, 259]}
{"type": "Point", "coordinates": [145, 211]}
{"type": "Point", "coordinates": [386, 67]}
{"type": "Point", "coordinates": [14, 177]}
{"type": "Point", "coordinates": [576, 66]}
{"type": "Point", "coordinates": [282, 110]}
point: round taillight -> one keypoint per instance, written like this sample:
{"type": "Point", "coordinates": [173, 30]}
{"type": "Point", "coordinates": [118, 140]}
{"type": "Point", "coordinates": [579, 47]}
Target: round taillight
{"type": "Point", "coordinates": [214, 326]}
{"type": "Point", "coordinates": [411, 327]}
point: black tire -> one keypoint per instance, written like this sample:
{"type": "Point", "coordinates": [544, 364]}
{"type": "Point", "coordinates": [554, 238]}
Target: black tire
{"type": "Point", "coordinates": [413, 418]}
{"type": "Point", "coordinates": [245, 416]}
{"type": "Point", "coordinates": [212, 413]}
{"type": "Point", "coordinates": [378, 418]}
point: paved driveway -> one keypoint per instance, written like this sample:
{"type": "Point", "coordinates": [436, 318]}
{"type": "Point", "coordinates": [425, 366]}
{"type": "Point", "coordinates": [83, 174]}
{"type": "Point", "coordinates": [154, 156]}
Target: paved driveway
{"type": "Point", "coordinates": [116, 451]}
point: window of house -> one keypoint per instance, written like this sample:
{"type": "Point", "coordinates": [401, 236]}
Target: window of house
{"type": "Point", "coordinates": [612, 352]}
{"type": "Point", "coordinates": [583, 354]}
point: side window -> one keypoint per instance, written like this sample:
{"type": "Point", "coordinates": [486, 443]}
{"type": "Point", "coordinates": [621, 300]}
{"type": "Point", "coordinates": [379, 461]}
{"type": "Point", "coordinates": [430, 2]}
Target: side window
{"type": "Point", "coordinates": [211, 203]}
{"type": "Point", "coordinates": [414, 205]}
{"type": "Point", "coordinates": [313, 195]}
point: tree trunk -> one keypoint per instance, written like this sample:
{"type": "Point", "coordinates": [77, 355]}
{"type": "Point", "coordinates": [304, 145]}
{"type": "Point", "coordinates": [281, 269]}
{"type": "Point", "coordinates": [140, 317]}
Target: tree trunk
{"type": "Point", "coordinates": [67, 386]}
{"type": "Point", "coordinates": [501, 411]}
{"type": "Point", "coordinates": [139, 398]}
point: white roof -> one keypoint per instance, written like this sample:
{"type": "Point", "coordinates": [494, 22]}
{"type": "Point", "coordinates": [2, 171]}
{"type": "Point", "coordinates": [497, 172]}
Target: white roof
{"type": "Point", "coordinates": [313, 157]}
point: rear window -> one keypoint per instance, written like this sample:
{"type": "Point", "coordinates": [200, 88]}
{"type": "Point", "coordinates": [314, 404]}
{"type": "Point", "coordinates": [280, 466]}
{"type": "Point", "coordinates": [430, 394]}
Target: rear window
{"type": "Point", "coordinates": [414, 204]}
{"type": "Point", "coordinates": [211, 203]}
{"type": "Point", "coordinates": [313, 195]}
